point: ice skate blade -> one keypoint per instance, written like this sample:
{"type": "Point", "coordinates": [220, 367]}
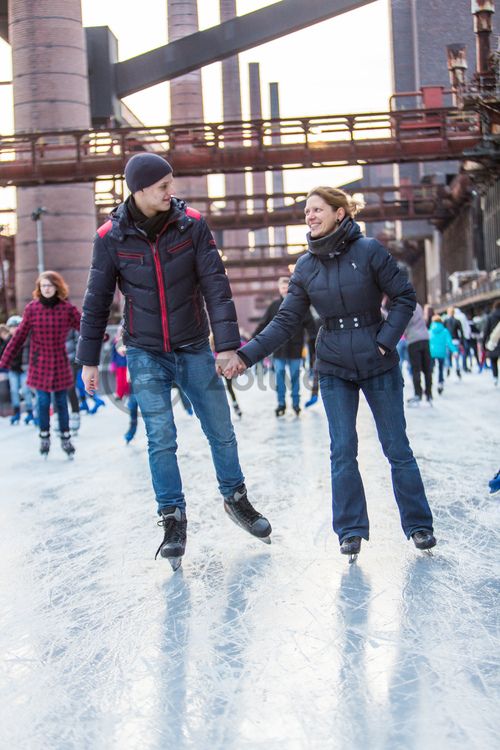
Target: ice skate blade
{"type": "Point", "coordinates": [353, 558]}
{"type": "Point", "coordinates": [427, 552]}
{"type": "Point", "coordinates": [265, 539]}
{"type": "Point", "coordinates": [175, 563]}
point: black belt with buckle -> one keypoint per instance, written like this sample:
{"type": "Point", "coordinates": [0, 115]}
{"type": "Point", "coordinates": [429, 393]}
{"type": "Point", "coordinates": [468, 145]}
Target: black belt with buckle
{"type": "Point", "coordinates": [353, 321]}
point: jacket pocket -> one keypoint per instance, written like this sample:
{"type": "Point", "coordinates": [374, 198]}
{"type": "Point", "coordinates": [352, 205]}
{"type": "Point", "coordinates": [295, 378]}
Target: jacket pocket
{"type": "Point", "coordinates": [179, 246]}
{"type": "Point", "coordinates": [328, 348]}
{"type": "Point", "coordinates": [132, 257]}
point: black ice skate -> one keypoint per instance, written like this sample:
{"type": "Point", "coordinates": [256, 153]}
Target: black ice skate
{"type": "Point", "coordinates": [280, 410]}
{"type": "Point", "coordinates": [351, 546]}
{"type": "Point", "coordinates": [173, 546]}
{"type": "Point", "coordinates": [67, 445]}
{"type": "Point", "coordinates": [237, 410]}
{"type": "Point", "coordinates": [297, 410]}
{"type": "Point", "coordinates": [424, 540]}
{"type": "Point", "coordinates": [240, 510]}
{"type": "Point", "coordinates": [44, 443]}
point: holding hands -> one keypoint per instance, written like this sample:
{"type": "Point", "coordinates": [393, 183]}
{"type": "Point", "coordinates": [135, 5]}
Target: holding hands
{"type": "Point", "coordinates": [229, 364]}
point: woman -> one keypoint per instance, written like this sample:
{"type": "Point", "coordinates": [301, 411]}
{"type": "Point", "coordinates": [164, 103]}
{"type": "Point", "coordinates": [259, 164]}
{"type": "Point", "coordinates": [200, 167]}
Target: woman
{"type": "Point", "coordinates": [344, 275]}
{"type": "Point", "coordinates": [49, 318]}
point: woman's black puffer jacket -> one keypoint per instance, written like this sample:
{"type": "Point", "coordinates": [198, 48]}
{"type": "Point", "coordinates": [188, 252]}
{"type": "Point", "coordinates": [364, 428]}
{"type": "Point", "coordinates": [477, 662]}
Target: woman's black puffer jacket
{"type": "Point", "coordinates": [344, 276]}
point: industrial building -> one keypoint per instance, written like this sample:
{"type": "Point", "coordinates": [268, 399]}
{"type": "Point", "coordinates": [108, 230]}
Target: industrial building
{"type": "Point", "coordinates": [430, 162]}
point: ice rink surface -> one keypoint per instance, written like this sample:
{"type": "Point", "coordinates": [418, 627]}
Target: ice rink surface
{"type": "Point", "coordinates": [286, 647]}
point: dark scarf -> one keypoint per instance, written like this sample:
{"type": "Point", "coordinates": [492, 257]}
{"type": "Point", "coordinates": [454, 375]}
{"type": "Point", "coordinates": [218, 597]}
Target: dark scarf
{"type": "Point", "coordinates": [49, 301]}
{"type": "Point", "coordinates": [337, 241]}
{"type": "Point", "coordinates": [151, 227]}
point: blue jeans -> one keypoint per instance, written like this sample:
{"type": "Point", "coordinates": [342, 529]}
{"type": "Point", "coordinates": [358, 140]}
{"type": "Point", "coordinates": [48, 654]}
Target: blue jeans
{"type": "Point", "coordinates": [17, 382]}
{"type": "Point", "coordinates": [61, 399]}
{"type": "Point", "coordinates": [384, 394]}
{"type": "Point", "coordinates": [193, 368]}
{"type": "Point", "coordinates": [440, 362]}
{"type": "Point", "coordinates": [294, 368]}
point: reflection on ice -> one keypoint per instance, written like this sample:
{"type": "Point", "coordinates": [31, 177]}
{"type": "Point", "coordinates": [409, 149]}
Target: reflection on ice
{"type": "Point", "coordinates": [284, 647]}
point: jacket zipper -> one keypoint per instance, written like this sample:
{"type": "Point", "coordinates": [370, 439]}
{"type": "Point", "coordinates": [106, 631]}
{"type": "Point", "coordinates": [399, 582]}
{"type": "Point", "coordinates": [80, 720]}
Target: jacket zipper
{"type": "Point", "coordinates": [338, 284]}
{"type": "Point", "coordinates": [161, 290]}
{"type": "Point", "coordinates": [130, 316]}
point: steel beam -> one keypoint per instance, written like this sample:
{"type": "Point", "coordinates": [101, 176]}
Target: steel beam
{"type": "Point", "coordinates": [4, 21]}
{"type": "Point", "coordinates": [223, 41]}
{"type": "Point", "coordinates": [391, 203]}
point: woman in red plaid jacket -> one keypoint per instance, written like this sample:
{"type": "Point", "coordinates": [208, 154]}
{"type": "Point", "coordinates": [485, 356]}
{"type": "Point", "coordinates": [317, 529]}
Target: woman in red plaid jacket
{"type": "Point", "coordinates": [48, 318]}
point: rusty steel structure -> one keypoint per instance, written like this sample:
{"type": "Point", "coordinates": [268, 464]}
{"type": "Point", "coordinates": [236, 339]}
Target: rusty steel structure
{"type": "Point", "coordinates": [393, 203]}
{"type": "Point", "coordinates": [54, 157]}
{"type": "Point", "coordinates": [61, 149]}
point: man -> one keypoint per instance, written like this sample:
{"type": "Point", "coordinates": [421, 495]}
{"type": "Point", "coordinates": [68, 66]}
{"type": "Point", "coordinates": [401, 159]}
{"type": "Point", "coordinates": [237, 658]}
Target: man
{"type": "Point", "coordinates": [417, 338]}
{"type": "Point", "coordinates": [289, 354]}
{"type": "Point", "coordinates": [166, 263]}
{"type": "Point", "coordinates": [18, 373]}
{"type": "Point", "coordinates": [491, 339]}
{"type": "Point", "coordinates": [467, 336]}
{"type": "Point", "coordinates": [457, 335]}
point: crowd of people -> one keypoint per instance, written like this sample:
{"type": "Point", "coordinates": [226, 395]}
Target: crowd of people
{"type": "Point", "coordinates": [348, 308]}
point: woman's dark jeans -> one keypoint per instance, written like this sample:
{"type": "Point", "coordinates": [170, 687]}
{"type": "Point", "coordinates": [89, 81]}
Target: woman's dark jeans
{"type": "Point", "coordinates": [384, 394]}
{"type": "Point", "coordinates": [61, 399]}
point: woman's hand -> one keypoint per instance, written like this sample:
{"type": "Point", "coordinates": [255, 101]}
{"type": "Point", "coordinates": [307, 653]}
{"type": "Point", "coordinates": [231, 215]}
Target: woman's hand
{"type": "Point", "coordinates": [90, 377]}
{"type": "Point", "coordinates": [233, 366]}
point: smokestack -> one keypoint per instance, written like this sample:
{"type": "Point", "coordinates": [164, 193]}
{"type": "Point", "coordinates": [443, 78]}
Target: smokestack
{"type": "Point", "coordinates": [186, 95]}
{"type": "Point", "coordinates": [231, 100]}
{"type": "Point", "coordinates": [235, 183]}
{"type": "Point", "coordinates": [457, 66]}
{"type": "Point", "coordinates": [51, 92]}
{"type": "Point", "coordinates": [277, 175]}
{"type": "Point", "coordinates": [258, 178]}
{"type": "Point", "coordinates": [483, 10]}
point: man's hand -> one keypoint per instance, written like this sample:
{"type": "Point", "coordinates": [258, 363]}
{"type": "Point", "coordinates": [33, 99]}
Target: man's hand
{"type": "Point", "coordinates": [382, 351]}
{"type": "Point", "coordinates": [90, 377]}
{"type": "Point", "coordinates": [229, 364]}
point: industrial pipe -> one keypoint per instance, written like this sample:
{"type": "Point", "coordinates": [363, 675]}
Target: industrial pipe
{"type": "Point", "coordinates": [483, 10]}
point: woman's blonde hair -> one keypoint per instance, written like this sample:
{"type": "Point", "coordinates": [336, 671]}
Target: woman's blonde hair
{"type": "Point", "coordinates": [56, 279]}
{"type": "Point", "coordinates": [437, 319]}
{"type": "Point", "coordinates": [337, 198]}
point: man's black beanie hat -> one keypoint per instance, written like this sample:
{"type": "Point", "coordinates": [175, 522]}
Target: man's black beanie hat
{"type": "Point", "coordinates": [143, 170]}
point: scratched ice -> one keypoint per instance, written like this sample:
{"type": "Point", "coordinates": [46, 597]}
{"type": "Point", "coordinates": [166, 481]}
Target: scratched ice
{"type": "Point", "coordinates": [284, 647]}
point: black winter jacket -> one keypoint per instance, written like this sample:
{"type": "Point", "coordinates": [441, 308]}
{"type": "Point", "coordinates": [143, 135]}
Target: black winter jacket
{"type": "Point", "coordinates": [165, 285]}
{"type": "Point", "coordinates": [454, 326]}
{"type": "Point", "coordinates": [291, 349]}
{"type": "Point", "coordinates": [491, 322]}
{"type": "Point", "coordinates": [344, 276]}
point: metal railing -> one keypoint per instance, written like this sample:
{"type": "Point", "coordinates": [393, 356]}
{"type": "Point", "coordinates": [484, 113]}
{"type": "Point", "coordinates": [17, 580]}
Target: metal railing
{"type": "Point", "coordinates": [201, 148]}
